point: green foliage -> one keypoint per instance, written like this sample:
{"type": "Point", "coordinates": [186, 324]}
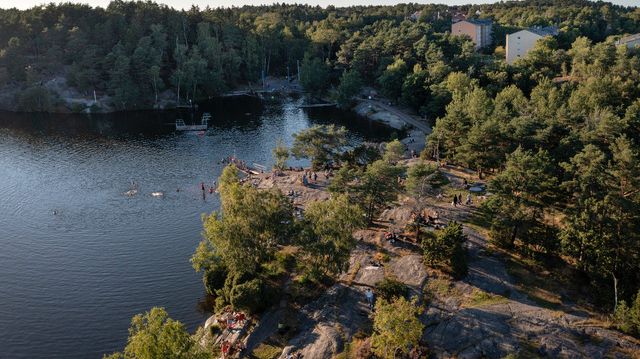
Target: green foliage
{"type": "Point", "coordinates": [447, 248]}
{"type": "Point", "coordinates": [360, 156]}
{"type": "Point", "coordinates": [396, 327]}
{"type": "Point", "coordinates": [420, 178]}
{"type": "Point", "coordinates": [240, 239]}
{"type": "Point", "coordinates": [394, 152]}
{"type": "Point", "coordinates": [153, 335]}
{"type": "Point", "coordinates": [327, 237]}
{"type": "Point", "coordinates": [320, 143]}
{"type": "Point", "coordinates": [343, 181]}
{"type": "Point", "coordinates": [280, 156]}
{"type": "Point", "coordinates": [314, 75]}
{"type": "Point", "coordinates": [390, 289]}
{"type": "Point", "coordinates": [377, 186]}
{"type": "Point", "coordinates": [522, 190]}
{"type": "Point", "coordinates": [392, 79]}
{"type": "Point", "coordinates": [627, 318]}
{"type": "Point", "coordinates": [349, 86]}
{"type": "Point", "coordinates": [249, 296]}
{"type": "Point", "coordinates": [602, 229]}
{"type": "Point", "coordinates": [205, 51]}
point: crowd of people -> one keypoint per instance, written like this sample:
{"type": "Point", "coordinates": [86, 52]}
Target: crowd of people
{"type": "Point", "coordinates": [232, 321]}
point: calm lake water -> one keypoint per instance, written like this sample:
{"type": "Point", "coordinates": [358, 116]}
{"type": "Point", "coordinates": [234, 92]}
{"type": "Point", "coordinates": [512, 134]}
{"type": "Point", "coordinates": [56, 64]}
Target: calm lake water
{"type": "Point", "coordinates": [70, 282]}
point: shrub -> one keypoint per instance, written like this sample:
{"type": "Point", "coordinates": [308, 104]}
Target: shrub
{"type": "Point", "coordinates": [627, 318]}
{"type": "Point", "coordinates": [458, 261]}
{"type": "Point", "coordinates": [249, 296]}
{"type": "Point", "coordinates": [214, 278]}
{"type": "Point", "coordinates": [447, 247]}
{"type": "Point", "coordinates": [390, 289]}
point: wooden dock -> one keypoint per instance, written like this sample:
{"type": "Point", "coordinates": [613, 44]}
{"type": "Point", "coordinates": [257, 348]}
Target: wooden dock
{"type": "Point", "coordinates": [318, 105]}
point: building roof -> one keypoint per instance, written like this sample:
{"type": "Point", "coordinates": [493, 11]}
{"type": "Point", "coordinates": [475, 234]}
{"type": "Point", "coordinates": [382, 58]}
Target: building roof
{"type": "Point", "coordinates": [457, 17]}
{"type": "Point", "coordinates": [627, 39]}
{"type": "Point", "coordinates": [544, 31]}
{"type": "Point", "coordinates": [480, 22]}
{"type": "Point", "coordinates": [540, 31]}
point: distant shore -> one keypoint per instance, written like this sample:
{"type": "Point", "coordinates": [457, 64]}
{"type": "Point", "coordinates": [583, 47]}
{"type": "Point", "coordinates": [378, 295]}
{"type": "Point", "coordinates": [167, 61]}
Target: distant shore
{"type": "Point", "coordinates": [67, 99]}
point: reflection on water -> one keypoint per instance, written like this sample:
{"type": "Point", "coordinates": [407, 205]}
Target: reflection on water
{"type": "Point", "coordinates": [78, 258]}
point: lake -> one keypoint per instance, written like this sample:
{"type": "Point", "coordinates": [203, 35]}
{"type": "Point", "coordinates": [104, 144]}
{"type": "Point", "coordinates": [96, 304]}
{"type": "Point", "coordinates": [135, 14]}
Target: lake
{"type": "Point", "coordinates": [78, 258]}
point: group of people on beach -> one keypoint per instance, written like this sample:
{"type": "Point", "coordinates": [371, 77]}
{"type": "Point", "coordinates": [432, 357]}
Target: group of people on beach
{"type": "Point", "coordinates": [309, 176]}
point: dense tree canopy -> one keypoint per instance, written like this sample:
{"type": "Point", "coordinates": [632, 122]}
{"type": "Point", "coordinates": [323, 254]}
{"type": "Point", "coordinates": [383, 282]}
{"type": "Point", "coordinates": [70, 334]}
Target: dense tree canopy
{"type": "Point", "coordinates": [134, 51]}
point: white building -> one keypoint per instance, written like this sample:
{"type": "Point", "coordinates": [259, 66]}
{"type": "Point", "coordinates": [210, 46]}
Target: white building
{"type": "Point", "coordinates": [630, 41]}
{"type": "Point", "coordinates": [521, 42]}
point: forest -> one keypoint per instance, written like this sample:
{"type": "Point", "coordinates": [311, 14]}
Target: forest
{"type": "Point", "coordinates": [134, 52]}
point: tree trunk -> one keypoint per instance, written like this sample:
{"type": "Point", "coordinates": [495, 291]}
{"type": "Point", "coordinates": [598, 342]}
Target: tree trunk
{"type": "Point", "coordinates": [179, 77]}
{"type": "Point", "coordinates": [615, 290]}
{"type": "Point", "coordinates": [155, 90]}
{"type": "Point", "coordinates": [514, 234]}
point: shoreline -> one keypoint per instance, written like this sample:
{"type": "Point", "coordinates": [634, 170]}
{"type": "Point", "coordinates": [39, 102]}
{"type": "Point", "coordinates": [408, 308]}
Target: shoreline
{"type": "Point", "coordinates": [68, 100]}
{"type": "Point", "coordinates": [377, 110]}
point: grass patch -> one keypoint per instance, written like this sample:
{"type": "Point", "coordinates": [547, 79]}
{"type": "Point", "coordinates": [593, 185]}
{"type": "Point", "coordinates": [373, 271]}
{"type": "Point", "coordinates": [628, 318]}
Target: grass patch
{"type": "Point", "coordinates": [540, 290]}
{"type": "Point", "coordinates": [479, 220]}
{"type": "Point", "coordinates": [354, 272]}
{"type": "Point", "coordinates": [480, 298]}
{"type": "Point", "coordinates": [439, 286]}
{"type": "Point", "coordinates": [266, 351]}
{"type": "Point", "coordinates": [381, 257]}
{"type": "Point", "coordinates": [528, 350]}
{"type": "Point", "coordinates": [547, 300]}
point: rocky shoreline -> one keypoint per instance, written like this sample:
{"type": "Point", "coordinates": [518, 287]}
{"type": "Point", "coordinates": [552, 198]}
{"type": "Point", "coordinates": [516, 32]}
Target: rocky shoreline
{"type": "Point", "coordinates": [485, 315]}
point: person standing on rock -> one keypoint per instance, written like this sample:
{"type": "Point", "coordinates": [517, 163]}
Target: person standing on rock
{"type": "Point", "coordinates": [370, 298]}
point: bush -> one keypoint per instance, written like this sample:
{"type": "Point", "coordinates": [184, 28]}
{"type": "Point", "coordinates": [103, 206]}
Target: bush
{"type": "Point", "coordinates": [390, 289]}
{"type": "Point", "coordinates": [447, 247]}
{"type": "Point", "coordinates": [458, 261]}
{"type": "Point", "coordinates": [419, 178]}
{"type": "Point", "coordinates": [214, 278]}
{"type": "Point", "coordinates": [627, 318]}
{"type": "Point", "coordinates": [249, 296]}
